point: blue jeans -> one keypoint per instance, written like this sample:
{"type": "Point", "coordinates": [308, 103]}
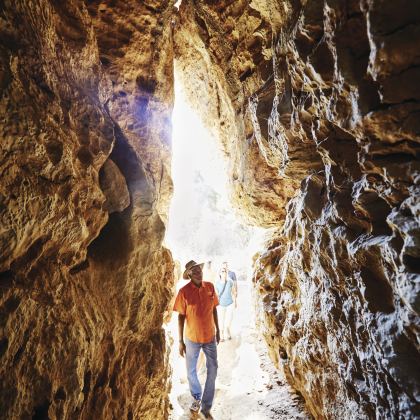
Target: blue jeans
{"type": "Point", "coordinates": [192, 353]}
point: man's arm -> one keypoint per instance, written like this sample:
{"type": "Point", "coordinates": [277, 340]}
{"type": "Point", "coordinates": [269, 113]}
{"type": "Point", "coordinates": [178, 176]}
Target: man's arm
{"type": "Point", "coordinates": [181, 322]}
{"type": "Point", "coordinates": [216, 322]}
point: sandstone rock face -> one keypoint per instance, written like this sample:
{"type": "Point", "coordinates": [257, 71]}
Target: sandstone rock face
{"type": "Point", "coordinates": [86, 96]}
{"type": "Point", "coordinates": [114, 187]}
{"type": "Point", "coordinates": [318, 106]}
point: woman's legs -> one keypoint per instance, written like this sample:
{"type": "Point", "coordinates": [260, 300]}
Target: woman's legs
{"type": "Point", "coordinates": [228, 320]}
{"type": "Point", "coordinates": [222, 321]}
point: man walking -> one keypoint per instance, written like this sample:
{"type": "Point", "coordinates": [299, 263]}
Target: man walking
{"type": "Point", "coordinates": [196, 304]}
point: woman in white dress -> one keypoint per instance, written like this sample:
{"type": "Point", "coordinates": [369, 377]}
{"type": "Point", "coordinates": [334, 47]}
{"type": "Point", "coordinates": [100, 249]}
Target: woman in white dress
{"type": "Point", "coordinates": [226, 291]}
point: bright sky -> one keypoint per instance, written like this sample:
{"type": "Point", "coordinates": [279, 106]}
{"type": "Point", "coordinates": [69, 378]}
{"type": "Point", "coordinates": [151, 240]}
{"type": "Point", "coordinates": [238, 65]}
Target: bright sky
{"type": "Point", "coordinates": [194, 150]}
{"type": "Point", "coordinates": [202, 224]}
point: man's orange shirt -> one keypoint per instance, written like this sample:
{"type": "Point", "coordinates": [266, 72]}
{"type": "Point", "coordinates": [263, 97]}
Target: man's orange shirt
{"type": "Point", "coordinates": [197, 304]}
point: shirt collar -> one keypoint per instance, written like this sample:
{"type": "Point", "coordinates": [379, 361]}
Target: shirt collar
{"type": "Point", "coordinates": [195, 286]}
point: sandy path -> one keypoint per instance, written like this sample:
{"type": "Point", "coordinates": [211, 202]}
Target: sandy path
{"type": "Point", "coordinates": [248, 387]}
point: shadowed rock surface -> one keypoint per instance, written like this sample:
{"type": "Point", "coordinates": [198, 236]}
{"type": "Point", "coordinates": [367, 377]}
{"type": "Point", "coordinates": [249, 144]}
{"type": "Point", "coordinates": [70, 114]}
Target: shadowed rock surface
{"type": "Point", "coordinates": [317, 107]}
{"type": "Point", "coordinates": [83, 188]}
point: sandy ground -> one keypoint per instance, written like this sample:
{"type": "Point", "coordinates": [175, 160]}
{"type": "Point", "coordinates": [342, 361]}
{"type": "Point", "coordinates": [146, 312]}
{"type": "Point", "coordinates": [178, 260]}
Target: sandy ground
{"type": "Point", "coordinates": [248, 386]}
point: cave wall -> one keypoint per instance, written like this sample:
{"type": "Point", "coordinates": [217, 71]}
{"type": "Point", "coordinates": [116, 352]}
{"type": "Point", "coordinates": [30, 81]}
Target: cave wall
{"type": "Point", "coordinates": [317, 105]}
{"type": "Point", "coordinates": [86, 96]}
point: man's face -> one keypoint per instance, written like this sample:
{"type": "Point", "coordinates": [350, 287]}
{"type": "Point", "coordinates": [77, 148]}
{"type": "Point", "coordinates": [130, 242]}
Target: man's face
{"type": "Point", "coordinates": [225, 266]}
{"type": "Point", "coordinates": [196, 274]}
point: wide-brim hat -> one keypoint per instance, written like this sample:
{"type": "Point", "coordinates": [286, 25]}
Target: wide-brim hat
{"type": "Point", "coordinates": [188, 267]}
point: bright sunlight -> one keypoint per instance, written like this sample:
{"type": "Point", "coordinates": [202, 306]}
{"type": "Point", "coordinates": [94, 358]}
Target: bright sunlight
{"type": "Point", "coordinates": [202, 224]}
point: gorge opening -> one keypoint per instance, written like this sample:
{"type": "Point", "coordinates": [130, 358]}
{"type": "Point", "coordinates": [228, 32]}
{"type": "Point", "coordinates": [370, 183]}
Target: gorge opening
{"type": "Point", "coordinates": [203, 226]}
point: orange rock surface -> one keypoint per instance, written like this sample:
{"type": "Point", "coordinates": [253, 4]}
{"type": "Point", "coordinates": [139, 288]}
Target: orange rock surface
{"type": "Point", "coordinates": [317, 108]}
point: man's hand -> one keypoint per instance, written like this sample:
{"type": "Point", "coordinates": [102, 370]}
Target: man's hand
{"type": "Point", "coordinates": [182, 348]}
{"type": "Point", "coordinates": [216, 323]}
{"type": "Point", "coordinates": [181, 321]}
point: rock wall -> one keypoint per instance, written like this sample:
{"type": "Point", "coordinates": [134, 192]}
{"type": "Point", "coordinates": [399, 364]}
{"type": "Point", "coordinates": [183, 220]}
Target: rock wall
{"type": "Point", "coordinates": [86, 96]}
{"type": "Point", "coordinates": [317, 105]}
